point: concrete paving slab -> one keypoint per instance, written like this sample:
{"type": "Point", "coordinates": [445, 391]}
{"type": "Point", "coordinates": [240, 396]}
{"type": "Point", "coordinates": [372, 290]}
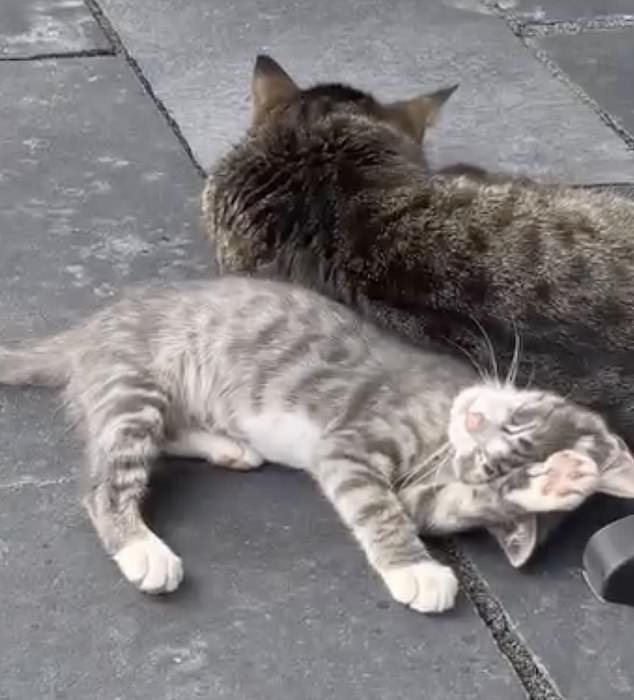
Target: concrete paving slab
{"type": "Point", "coordinates": [600, 63]}
{"type": "Point", "coordinates": [96, 191]}
{"type": "Point", "coordinates": [584, 644]}
{"type": "Point", "coordinates": [567, 9]}
{"type": "Point", "coordinates": [36, 27]}
{"type": "Point", "coordinates": [95, 194]}
{"type": "Point", "coordinates": [278, 603]}
{"type": "Point", "coordinates": [509, 112]}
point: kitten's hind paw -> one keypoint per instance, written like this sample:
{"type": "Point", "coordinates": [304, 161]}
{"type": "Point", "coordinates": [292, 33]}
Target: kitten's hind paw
{"type": "Point", "coordinates": [427, 587]}
{"type": "Point", "coordinates": [216, 448]}
{"type": "Point", "coordinates": [562, 482]}
{"type": "Point", "coordinates": [150, 565]}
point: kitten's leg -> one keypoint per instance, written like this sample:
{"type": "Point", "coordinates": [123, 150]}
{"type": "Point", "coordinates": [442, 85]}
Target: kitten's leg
{"type": "Point", "coordinates": [125, 434]}
{"type": "Point", "coordinates": [388, 536]}
{"type": "Point", "coordinates": [214, 447]}
{"type": "Point", "coordinates": [560, 483]}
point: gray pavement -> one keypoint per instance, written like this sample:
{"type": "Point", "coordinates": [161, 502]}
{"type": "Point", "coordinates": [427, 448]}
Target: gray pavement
{"type": "Point", "coordinates": [100, 146]}
{"type": "Point", "coordinates": [35, 28]}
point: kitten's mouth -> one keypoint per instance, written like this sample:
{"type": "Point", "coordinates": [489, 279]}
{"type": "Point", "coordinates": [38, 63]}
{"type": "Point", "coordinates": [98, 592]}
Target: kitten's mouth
{"type": "Point", "coordinates": [468, 476]}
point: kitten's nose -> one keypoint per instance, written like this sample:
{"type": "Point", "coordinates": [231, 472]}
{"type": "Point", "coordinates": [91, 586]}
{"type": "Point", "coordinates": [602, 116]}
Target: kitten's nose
{"type": "Point", "coordinates": [473, 420]}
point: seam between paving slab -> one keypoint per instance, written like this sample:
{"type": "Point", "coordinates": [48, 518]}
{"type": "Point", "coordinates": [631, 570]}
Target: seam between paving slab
{"type": "Point", "coordinates": [85, 53]}
{"type": "Point", "coordinates": [119, 48]}
{"type": "Point", "coordinates": [529, 30]}
{"type": "Point", "coordinates": [530, 671]}
{"type": "Point", "coordinates": [35, 482]}
{"type": "Point", "coordinates": [600, 23]}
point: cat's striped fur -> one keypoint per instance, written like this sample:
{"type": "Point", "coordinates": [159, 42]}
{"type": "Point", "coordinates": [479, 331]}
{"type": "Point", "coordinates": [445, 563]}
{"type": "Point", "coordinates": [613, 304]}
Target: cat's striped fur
{"type": "Point", "coordinates": [239, 371]}
{"type": "Point", "coordinates": [329, 189]}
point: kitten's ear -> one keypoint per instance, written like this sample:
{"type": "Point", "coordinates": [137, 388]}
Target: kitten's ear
{"type": "Point", "coordinates": [270, 86]}
{"type": "Point", "coordinates": [416, 115]}
{"type": "Point", "coordinates": [517, 539]}
{"type": "Point", "coordinates": [617, 476]}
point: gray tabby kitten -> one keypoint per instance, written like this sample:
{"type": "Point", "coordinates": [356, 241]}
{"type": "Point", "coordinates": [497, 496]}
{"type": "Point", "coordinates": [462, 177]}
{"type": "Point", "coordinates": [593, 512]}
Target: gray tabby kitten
{"type": "Point", "coordinates": [240, 371]}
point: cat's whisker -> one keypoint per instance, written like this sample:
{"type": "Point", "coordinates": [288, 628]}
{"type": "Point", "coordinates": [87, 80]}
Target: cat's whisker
{"type": "Point", "coordinates": [511, 375]}
{"type": "Point", "coordinates": [529, 381]}
{"type": "Point", "coordinates": [422, 471]}
{"type": "Point", "coordinates": [439, 469]}
{"type": "Point", "coordinates": [489, 344]}
{"type": "Point", "coordinates": [484, 376]}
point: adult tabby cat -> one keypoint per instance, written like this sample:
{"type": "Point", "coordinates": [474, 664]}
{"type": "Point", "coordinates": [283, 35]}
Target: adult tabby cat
{"type": "Point", "coordinates": [330, 189]}
{"type": "Point", "coordinates": [239, 371]}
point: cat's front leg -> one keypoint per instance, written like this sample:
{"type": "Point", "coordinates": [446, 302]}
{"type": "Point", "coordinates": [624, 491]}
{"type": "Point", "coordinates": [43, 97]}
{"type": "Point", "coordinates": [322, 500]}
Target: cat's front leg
{"type": "Point", "coordinates": [387, 534]}
{"type": "Point", "coordinates": [561, 483]}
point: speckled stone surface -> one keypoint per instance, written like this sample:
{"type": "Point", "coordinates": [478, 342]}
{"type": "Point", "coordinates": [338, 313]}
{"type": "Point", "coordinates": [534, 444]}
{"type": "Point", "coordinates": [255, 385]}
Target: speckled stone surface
{"type": "Point", "coordinates": [508, 112]}
{"type": "Point", "coordinates": [96, 193]}
{"type": "Point", "coordinates": [36, 27]}
{"type": "Point", "coordinates": [600, 62]}
{"type": "Point", "coordinates": [584, 644]}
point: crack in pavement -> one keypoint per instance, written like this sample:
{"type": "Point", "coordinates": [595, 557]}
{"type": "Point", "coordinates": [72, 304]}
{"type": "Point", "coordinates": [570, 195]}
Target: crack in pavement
{"type": "Point", "coordinates": [35, 482]}
{"type": "Point", "coordinates": [550, 27]}
{"type": "Point", "coordinates": [529, 30]}
{"type": "Point", "coordinates": [85, 53]}
{"type": "Point", "coordinates": [119, 48]}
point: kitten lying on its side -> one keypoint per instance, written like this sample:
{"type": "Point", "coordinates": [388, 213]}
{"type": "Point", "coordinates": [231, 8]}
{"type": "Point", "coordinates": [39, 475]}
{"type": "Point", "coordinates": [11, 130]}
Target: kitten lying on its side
{"type": "Point", "coordinates": [240, 371]}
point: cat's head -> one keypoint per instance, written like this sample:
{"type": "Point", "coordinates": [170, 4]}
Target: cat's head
{"type": "Point", "coordinates": [276, 98]}
{"type": "Point", "coordinates": [494, 429]}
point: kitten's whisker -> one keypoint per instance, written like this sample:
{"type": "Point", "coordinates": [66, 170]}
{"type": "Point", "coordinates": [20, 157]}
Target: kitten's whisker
{"type": "Point", "coordinates": [420, 473]}
{"type": "Point", "coordinates": [529, 381]}
{"type": "Point", "coordinates": [422, 470]}
{"type": "Point", "coordinates": [489, 344]}
{"type": "Point", "coordinates": [439, 469]}
{"type": "Point", "coordinates": [511, 375]}
{"type": "Point", "coordinates": [480, 370]}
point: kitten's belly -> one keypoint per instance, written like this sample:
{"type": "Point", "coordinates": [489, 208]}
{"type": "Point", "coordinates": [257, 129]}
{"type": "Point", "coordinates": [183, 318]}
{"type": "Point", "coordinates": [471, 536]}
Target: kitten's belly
{"type": "Point", "coordinates": [290, 439]}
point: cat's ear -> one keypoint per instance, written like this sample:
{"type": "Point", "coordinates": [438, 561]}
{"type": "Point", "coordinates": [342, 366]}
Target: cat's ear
{"type": "Point", "coordinates": [416, 115]}
{"type": "Point", "coordinates": [517, 539]}
{"type": "Point", "coordinates": [270, 86]}
{"type": "Point", "coordinates": [617, 475]}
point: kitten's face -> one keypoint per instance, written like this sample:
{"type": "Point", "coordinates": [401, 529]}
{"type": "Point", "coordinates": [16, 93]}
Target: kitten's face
{"type": "Point", "coordinates": [494, 429]}
{"type": "Point", "coordinates": [277, 98]}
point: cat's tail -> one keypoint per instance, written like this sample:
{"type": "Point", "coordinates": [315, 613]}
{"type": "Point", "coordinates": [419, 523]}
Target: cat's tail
{"type": "Point", "coordinates": [47, 363]}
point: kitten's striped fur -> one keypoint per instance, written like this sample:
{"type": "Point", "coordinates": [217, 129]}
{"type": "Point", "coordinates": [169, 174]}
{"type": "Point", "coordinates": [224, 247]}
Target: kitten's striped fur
{"type": "Point", "coordinates": [240, 371]}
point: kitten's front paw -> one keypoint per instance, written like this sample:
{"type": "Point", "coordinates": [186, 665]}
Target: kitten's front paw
{"type": "Point", "coordinates": [150, 565]}
{"type": "Point", "coordinates": [562, 482]}
{"type": "Point", "coordinates": [241, 458]}
{"type": "Point", "coordinates": [427, 587]}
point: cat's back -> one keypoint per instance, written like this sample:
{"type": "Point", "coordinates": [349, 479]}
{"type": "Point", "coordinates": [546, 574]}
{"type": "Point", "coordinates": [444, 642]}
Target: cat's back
{"type": "Point", "coordinates": [243, 323]}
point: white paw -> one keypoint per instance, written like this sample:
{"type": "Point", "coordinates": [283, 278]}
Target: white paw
{"type": "Point", "coordinates": [562, 482]}
{"type": "Point", "coordinates": [150, 565]}
{"type": "Point", "coordinates": [428, 587]}
{"type": "Point", "coordinates": [216, 448]}
{"type": "Point", "coordinates": [238, 457]}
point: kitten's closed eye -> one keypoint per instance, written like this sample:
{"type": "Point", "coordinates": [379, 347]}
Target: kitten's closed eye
{"type": "Point", "coordinates": [518, 428]}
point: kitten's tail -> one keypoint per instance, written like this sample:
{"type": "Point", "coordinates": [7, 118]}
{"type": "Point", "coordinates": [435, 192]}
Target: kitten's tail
{"type": "Point", "coordinates": [45, 364]}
